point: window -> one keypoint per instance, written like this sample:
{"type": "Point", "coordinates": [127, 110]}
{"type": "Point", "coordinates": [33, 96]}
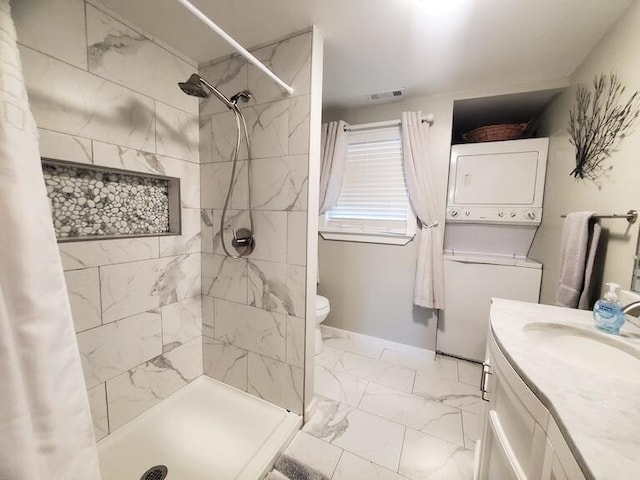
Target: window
{"type": "Point", "coordinates": [373, 205]}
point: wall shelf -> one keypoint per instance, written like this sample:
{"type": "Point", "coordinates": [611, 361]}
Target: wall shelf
{"type": "Point", "coordinates": [91, 202]}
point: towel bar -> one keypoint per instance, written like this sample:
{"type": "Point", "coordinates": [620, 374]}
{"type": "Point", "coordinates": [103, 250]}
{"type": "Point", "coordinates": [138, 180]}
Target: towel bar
{"type": "Point", "coordinates": [631, 216]}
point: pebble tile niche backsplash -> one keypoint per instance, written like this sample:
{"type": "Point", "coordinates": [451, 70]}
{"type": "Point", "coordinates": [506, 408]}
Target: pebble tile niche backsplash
{"type": "Point", "coordinates": [92, 203]}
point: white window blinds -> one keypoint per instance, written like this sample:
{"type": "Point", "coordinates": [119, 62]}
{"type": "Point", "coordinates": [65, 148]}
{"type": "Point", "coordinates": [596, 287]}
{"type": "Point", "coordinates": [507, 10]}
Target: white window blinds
{"type": "Point", "coordinates": [373, 197]}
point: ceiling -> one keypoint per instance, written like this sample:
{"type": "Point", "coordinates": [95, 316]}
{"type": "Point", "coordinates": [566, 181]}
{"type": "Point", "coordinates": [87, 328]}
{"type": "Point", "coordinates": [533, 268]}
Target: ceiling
{"type": "Point", "coordinates": [426, 46]}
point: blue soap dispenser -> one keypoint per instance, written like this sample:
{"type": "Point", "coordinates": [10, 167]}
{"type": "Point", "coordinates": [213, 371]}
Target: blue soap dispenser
{"type": "Point", "coordinates": [607, 311]}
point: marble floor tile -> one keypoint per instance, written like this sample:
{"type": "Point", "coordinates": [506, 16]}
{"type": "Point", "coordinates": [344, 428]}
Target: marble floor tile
{"type": "Point", "coordinates": [349, 344]}
{"type": "Point", "coordinates": [472, 427]}
{"type": "Point", "coordinates": [388, 374]}
{"type": "Point", "coordinates": [338, 386]}
{"type": "Point", "coordinates": [428, 458]}
{"type": "Point", "coordinates": [362, 433]}
{"type": "Point", "coordinates": [414, 412]}
{"type": "Point", "coordinates": [315, 453]}
{"type": "Point", "coordinates": [469, 373]}
{"type": "Point", "coordinates": [448, 392]}
{"type": "Point", "coordinates": [353, 467]}
{"type": "Point", "coordinates": [410, 359]}
{"type": "Point", "coordinates": [328, 357]}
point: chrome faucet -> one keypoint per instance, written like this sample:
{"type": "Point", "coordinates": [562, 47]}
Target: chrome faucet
{"type": "Point", "coordinates": [632, 309]}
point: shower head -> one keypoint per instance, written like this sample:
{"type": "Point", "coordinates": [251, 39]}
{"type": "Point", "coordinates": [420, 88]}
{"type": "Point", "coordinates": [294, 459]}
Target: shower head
{"type": "Point", "coordinates": [194, 87]}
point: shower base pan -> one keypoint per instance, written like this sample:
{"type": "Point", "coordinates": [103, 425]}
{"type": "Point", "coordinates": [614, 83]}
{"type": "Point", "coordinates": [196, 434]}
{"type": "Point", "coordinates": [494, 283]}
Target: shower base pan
{"type": "Point", "coordinates": [207, 430]}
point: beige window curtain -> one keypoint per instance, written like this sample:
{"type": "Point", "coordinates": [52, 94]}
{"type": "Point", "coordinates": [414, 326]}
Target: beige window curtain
{"type": "Point", "coordinates": [334, 153]}
{"type": "Point", "coordinates": [429, 284]}
{"type": "Point", "coordinates": [45, 423]}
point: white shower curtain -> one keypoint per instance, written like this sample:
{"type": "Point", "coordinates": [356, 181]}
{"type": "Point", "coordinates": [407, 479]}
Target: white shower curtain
{"type": "Point", "coordinates": [429, 284]}
{"type": "Point", "coordinates": [334, 153]}
{"type": "Point", "coordinates": [45, 423]}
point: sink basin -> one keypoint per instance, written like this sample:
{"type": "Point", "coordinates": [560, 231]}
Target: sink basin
{"type": "Point", "coordinates": [588, 350]}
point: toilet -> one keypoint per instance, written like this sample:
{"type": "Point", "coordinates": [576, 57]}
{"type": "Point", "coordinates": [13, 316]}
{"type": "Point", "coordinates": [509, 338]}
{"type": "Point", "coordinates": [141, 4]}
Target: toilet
{"type": "Point", "coordinates": [322, 311]}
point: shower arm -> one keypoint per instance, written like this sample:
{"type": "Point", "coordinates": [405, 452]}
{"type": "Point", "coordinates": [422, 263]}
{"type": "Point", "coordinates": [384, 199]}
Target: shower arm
{"type": "Point", "coordinates": [218, 94]}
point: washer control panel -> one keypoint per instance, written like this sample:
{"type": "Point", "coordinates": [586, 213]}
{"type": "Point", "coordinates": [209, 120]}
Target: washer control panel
{"type": "Point", "coordinates": [528, 215]}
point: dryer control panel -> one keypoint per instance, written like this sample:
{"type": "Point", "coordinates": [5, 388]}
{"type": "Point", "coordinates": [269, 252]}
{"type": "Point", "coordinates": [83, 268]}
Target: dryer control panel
{"type": "Point", "coordinates": [521, 215]}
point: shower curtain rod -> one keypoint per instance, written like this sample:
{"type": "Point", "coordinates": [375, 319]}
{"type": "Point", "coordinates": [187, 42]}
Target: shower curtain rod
{"type": "Point", "coordinates": [388, 123]}
{"type": "Point", "coordinates": [241, 50]}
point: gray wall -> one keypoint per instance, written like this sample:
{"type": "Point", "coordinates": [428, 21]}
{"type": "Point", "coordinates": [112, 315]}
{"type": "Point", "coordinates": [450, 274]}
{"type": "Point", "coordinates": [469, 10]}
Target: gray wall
{"type": "Point", "coordinates": [617, 191]}
{"type": "Point", "coordinates": [370, 286]}
{"type": "Point", "coordinates": [385, 265]}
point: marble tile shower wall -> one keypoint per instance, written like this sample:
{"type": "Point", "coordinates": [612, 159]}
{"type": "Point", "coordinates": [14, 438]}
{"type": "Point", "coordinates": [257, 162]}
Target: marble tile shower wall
{"type": "Point", "coordinates": [104, 93]}
{"type": "Point", "coordinates": [254, 308]}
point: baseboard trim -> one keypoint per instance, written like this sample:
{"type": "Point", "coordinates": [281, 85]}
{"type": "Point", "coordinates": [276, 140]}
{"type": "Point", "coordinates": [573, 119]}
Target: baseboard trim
{"type": "Point", "coordinates": [376, 341]}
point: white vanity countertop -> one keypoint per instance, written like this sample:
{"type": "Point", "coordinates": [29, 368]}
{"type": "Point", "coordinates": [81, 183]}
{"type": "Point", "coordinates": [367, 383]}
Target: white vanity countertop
{"type": "Point", "coordinates": [599, 416]}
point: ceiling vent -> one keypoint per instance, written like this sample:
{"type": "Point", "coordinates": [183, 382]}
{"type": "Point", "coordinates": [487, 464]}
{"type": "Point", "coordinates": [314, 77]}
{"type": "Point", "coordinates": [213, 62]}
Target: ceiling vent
{"type": "Point", "coordinates": [386, 94]}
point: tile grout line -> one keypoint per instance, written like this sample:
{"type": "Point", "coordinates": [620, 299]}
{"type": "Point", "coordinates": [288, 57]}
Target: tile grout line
{"type": "Point", "coordinates": [335, 469]}
{"type": "Point", "coordinates": [404, 437]}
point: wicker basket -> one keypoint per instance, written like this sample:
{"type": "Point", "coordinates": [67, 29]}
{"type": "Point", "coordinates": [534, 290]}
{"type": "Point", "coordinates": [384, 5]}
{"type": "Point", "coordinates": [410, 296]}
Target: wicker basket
{"type": "Point", "coordinates": [494, 133]}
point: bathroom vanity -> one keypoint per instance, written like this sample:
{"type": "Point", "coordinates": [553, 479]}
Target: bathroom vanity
{"type": "Point", "coordinates": [563, 400]}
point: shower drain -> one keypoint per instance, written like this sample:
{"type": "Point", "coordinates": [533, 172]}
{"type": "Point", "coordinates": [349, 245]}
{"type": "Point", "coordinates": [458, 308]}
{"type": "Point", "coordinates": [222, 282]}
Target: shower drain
{"type": "Point", "coordinates": [159, 472]}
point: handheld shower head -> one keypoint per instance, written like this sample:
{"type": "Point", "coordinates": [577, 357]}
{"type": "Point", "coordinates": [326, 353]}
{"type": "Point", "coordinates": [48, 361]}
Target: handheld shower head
{"type": "Point", "coordinates": [194, 87]}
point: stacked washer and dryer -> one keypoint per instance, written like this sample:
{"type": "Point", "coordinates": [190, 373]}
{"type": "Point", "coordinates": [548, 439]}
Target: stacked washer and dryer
{"type": "Point", "coordinates": [494, 208]}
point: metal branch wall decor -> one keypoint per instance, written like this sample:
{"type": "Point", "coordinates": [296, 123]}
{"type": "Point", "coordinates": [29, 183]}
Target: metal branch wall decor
{"type": "Point", "coordinates": [598, 122]}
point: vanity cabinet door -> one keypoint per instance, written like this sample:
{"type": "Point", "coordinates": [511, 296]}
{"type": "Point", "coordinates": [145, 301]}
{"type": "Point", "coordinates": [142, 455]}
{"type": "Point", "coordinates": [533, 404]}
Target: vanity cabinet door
{"type": "Point", "coordinates": [552, 469]}
{"type": "Point", "coordinates": [498, 459]}
{"type": "Point", "coordinates": [510, 426]}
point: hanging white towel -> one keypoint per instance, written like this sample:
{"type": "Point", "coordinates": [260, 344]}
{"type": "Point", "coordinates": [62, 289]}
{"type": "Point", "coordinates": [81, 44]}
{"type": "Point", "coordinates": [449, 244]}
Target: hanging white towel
{"type": "Point", "coordinates": [45, 423]}
{"type": "Point", "coordinates": [577, 258]}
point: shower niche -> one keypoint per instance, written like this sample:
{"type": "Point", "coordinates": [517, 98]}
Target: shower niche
{"type": "Point", "coordinates": [90, 202]}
